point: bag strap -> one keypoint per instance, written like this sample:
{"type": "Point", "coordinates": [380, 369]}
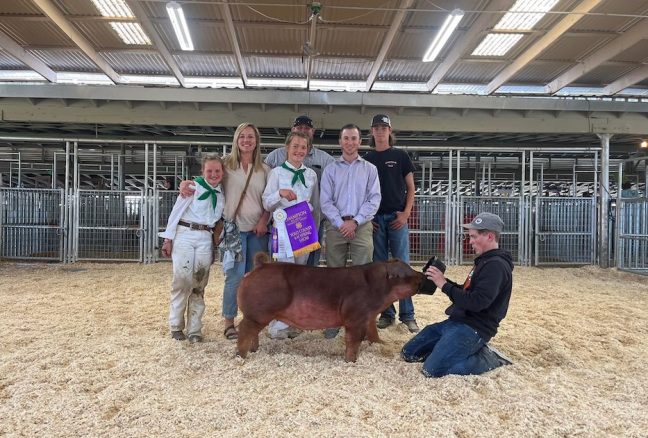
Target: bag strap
{"type": "Point", "coordinates": [247, 183]}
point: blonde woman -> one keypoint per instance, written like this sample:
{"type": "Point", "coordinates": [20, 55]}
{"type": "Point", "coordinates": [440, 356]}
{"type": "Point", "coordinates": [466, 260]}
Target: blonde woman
{"type": "Point", "coordinates": [245, 179]}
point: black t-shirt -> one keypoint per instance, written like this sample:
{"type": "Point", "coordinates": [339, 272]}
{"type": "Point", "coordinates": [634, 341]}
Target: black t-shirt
{"type": "Point", "coordinates": [393, 166]}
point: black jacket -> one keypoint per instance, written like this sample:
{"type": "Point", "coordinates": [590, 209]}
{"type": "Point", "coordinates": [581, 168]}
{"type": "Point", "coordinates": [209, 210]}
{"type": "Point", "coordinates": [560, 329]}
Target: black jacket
{"type": "Point", "coordinates": [484, 302]}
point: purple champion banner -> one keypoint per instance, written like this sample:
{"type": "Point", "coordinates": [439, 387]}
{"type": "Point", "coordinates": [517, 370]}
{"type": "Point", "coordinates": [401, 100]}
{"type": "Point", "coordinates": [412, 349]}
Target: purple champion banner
{"type": "Point", "coordinates": [301, 228]}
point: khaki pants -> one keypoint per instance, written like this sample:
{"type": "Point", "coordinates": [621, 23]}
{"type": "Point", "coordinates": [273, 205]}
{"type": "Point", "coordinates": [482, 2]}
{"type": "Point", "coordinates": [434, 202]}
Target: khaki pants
{"type": "Point", "coordinates": [337, 246]}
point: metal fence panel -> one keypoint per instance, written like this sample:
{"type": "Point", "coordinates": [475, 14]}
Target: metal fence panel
{"type": "Point", "coordinates": [632, 249]}
{"type": "Point", "coordinates": [565, 231]}
{"type": "Point", "coordinates": [427, 227]}
{"type": "Point", "coordinates": [108, 225]}
{"type": "Point", "coordinates": [31, 223]}
{"type": "Point", "coordinates": [165, 200]}
{"type": "Point", "coordinates": [511, 212]}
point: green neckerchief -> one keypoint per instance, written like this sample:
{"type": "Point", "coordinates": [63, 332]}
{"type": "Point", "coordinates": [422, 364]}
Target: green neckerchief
{"type": "Point", "coordinates": [210, 191]}
{"type": "Point", "coordinates": [297, 175]}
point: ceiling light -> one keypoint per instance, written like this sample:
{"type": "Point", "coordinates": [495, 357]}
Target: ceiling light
{"type": "Point", "coordinates": [449, 25]}
{"type": "Point", "coordinates": [644, 144]}
{"type": "Point", "coordinates": [113, 8]}
{"type": "Point", "coordinates": [131, 33]}
{"type": "Point", "coordinates": [524, 14]}
{"type": "Point", "coordinates": [179, 25]}
{"type": "Point", "coordinates": [497, 44]}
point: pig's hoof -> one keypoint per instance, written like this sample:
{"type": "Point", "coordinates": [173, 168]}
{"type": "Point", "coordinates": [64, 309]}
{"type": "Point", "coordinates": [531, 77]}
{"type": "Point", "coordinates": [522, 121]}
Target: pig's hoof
{"type": "Point", "coordinates": [239, 359]}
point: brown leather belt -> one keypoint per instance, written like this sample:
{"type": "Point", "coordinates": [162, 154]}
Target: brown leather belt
{"type": "Point", "coordinates": [192, 226]}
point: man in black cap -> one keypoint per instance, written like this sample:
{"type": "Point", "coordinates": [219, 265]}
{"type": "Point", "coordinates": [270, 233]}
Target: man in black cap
{"type": "Point", "coordinates": [391, 233]}
{"type": "Point", "coordinates": [317, 160]}
{"type": "Point", "coordinates": [459, 345]}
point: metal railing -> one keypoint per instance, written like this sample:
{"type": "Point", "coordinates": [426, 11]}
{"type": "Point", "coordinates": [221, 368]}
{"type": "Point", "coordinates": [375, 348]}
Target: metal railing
{"type": "Point", "coordinates": [632, 241]}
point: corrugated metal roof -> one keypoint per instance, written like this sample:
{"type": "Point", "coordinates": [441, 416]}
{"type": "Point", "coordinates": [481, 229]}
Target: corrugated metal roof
{"type": "Point", "coordinates": [65, 60]}
{"type": "Point", "coordinates": [407, 71]}
{"type": "Point", "coordinates": [193, 64]}
{"type": "Point", "coordinates": [20, 7]}
{"type": "Point", "coordinates": [256, 40]}
{"type": "Point", "coordinates": [347, 42]}
{"type": "Point", "coordinates": [100, 34]}
{"type": "Point", "coordinates": [611, 22]}
{"type": "Point", "coordinates": [341, 68]}
{"type": "Point", "coordinates": [635, 53]}
{"type": "Point", "coordinates": [573, 47]}
{"type": "Point", "coordinates": [35, 33]}
{"type": "Point", "coordinates": [537, 72]}
{"type": "Point", "coordinates": [8, 62]}
{"type": "Point", "coordinates": [273, 67]}
{"type": "Point", "coordinates": [605, 73]}
{"type": "Point", "coordinates": [136, 62]}
{"type": "Point", "coordinates": [474, 72]}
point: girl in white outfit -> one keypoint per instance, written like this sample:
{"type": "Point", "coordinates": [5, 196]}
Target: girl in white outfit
{"type": "Point", "coordinates": [188, 240]}
{"type": "Point", "coordinates": [289, 184]}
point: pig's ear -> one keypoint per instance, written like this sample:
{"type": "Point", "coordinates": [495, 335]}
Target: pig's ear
{"type": "Point", "coordinates": [397, 269]}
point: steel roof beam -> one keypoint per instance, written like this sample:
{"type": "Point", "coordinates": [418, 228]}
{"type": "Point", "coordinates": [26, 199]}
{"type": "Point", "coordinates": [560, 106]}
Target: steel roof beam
{"type": "Point", "coordinates": [387, 42]}
{"type": "Point", "coordinates": [236, 48]}
{"type": "Point", "coordinates": [623, 82]}
{"type": "Point", "coordinates": [539, 46]}
{"type": "Point", "coordinates": [59, 19]}
{"type": "Point", "coordinates": [7, 43]}
{"type": "Point", "coordinates": [638, 32]}
{"type": "Point", "coordinates": [148, 27]}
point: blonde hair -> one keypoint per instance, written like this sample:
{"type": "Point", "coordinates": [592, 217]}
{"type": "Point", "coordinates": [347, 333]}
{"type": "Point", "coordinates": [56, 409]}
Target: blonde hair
{"type": "Point", "coordinates": [292, 135]}
{"type": "Point", "coordinates": [211, 157]}
{"type": "Point", "coordinates": [233, 160]}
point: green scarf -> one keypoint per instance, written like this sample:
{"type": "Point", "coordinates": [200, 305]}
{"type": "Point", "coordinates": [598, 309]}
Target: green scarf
{"type": "Point", "coordinates": [297, 175]}
{"type": "Point", "coordinates": [210, 191]}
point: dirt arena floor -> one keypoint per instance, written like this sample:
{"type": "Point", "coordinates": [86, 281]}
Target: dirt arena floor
{"type": "Point", "coordinates": [86, 351]}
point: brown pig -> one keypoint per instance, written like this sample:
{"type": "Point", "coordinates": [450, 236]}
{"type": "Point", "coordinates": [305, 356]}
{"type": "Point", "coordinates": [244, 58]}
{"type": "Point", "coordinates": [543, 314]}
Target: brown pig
{"type": "Point", "coordinates": [312, 298]}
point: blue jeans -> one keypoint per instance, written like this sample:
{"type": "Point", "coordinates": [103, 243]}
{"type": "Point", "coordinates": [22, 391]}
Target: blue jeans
{"type": "Point", "coordinates": [450, 347]}
{"type": "Point", "coordinates": [385, 241]}
{"type": "Point", "coordinates": [251, 245]}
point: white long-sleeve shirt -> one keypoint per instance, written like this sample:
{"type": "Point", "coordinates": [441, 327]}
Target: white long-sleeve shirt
{"type": "Point", "coordinates": [195, 211]}
{"type": "Point", "coordinates": [280, 179]}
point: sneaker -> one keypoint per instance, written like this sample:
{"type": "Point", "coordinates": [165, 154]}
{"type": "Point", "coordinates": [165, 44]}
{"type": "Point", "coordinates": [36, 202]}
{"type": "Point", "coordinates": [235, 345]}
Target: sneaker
{"type": "Point", "coordinates": [331, 333]}
{"type": "Point", "coordinates": [412, 326]}
{"type": "Point", "coordinates": [286, 333]}
{"type": "Point", "coordinates": [195, 338]}
{"type": "Point", "coordinates": [505, 360]}
{"type": "Point", "coordinates": [384, 322]}
{"type": "Point", "coordinates": [178, 335]}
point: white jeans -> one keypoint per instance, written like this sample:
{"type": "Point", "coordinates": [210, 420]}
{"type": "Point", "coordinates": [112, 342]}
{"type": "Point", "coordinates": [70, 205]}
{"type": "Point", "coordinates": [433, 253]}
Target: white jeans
{"type": "Point", "coordinates": [275, 325]}
{"type": "Point", "coordinates": [192, 258]}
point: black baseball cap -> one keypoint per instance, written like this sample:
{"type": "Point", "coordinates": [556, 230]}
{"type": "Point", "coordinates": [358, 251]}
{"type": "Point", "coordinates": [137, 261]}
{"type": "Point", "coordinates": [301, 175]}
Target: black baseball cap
{"type": "Point", "coordinates": [303, 120]}
{"type": "Point", "coordinates": [380, 119]}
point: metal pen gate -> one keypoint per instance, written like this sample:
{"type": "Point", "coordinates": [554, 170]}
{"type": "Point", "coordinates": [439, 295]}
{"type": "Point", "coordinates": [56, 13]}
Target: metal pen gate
{"type": "Point", "coordinates": [164, 202]}
{"type": "Point", "coordinates": [109, 225]}
{"type": "Point", "coordinates": [565, 231]}
{"type": "Point", "coordinates": [428, 228]}
{"type": "Point", "coordinates": [632, 226]}
{"type": "Point", "coordinates": [31, 223]}
{"type": "Point", "coordinates": [511, 210]}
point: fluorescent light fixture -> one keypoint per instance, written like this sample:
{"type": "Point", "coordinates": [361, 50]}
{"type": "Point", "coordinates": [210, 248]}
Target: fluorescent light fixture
{"type": "Point", "coordinates": [113, 8]}
{"type": "Point", "coordinates": [327, 85]}
{"type": "Point", "coordinates": [149, 80]}
{"type": "Point", "coordinates": [400, 86]}
{"type": "Point", "coordinates": [131, 33]}
{"type": "Point", "coordinates": [277, 83]}
{"type": "Point", "coordinates": [524, 14]}
{"type": "Point", "coordinates": [644, 144]}
{"type": "Point", "coordinates": [449, 25]}
{"type": "Point", "coordinates": [20, 76]}
{"type": "Point", "coordinates": [497, 44]}
{"type": "Point", "coordinates": [202, 82]}
{"type": "Point", "coordinates": [83, 78]}
{"type": "Point", "coordinates": [179, 24]}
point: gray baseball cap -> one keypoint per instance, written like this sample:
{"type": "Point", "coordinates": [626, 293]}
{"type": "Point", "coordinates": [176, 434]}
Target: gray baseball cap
{"type": "Point", "coordinates": [486, 221]}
